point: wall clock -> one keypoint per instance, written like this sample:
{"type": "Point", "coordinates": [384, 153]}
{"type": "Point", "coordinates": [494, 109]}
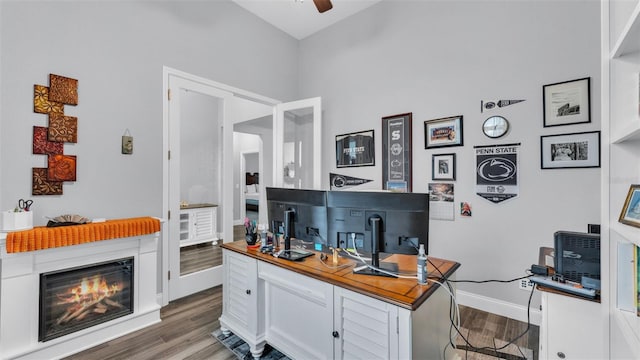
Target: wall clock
{"type": "Point", "coordinates": [495, 127]}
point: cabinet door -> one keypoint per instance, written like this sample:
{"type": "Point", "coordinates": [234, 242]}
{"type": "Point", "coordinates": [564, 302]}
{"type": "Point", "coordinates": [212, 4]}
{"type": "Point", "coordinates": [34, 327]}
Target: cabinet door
{"type": "Point", "coordinates": [298, 313]}
{"type": "Point", "coordinates": [570, 328]}
{"type": "Point", "coordinates": [367, 328]}
{"type": "Point", "coordinates": [240, 294]}
{"type": "Point", "coordinates": [202, 224]}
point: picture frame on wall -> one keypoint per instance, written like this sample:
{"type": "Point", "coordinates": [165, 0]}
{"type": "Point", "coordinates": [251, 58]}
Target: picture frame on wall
{"type": "Point", "coordinates": [630, 214]}
{"type": "Point", "coordinates": [355, 149]}
{"type": "Point", "coordinates": [396, 153]}
{"type": "Point", "coordinates": [567, 103]}
{"type": "Point", "coordinates": [443, 132]}
{"type": "Point", "coordinates": [576, 150]}
{"type": "Point", "coordinates": [443, 167]}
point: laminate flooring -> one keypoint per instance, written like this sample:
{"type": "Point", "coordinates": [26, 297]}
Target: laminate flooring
{"type": "Point", "coordinates": [187, 323]}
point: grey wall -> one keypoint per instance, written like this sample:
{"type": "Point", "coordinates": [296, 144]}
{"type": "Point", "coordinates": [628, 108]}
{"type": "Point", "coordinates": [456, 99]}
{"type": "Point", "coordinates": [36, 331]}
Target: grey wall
{"type": "Point", "coordinates": [117, 50]}
{"type": "Point", "coordinates": [441, 58]}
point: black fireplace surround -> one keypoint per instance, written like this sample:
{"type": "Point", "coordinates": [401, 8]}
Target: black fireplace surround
{"type": "Point", "coordinates": [80, 297]}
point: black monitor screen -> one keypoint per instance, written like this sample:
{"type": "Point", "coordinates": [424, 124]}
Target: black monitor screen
{"type": "Point", "coordinates": [308, 209]}
{"type": "Point", "coordinates": [403, 220]}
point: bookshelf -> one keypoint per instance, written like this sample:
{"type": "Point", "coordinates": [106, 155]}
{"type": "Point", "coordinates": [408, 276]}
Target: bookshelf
{"type": "Point", "coordinates": [621, 168]}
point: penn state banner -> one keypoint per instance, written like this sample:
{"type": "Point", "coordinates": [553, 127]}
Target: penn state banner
{"type": "Point", "coordinates": [339, 182]}
{"type": "Point", "coordinates": [497, 172]}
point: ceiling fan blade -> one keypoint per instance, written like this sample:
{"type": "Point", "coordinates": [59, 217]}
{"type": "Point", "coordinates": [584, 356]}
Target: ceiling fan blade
{"type": "Point", "coordinates": [323, 5]}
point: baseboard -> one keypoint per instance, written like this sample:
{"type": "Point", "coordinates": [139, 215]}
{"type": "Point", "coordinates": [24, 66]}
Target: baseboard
{"type": "Point", "coordinates": [498, 307]}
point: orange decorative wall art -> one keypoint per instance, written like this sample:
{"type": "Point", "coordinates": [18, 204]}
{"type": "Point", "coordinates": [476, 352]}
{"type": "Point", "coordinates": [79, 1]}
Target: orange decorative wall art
{"type": "Point", "coordinates": [50, 140]}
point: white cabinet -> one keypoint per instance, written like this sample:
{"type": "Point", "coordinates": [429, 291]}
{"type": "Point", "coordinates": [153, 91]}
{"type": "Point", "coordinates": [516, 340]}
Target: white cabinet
{"type": "Point", "coordinates": [298, 313]}
{"type": "Point", "coordinates": [242, 299]}
{"type": "Point", "coordinates": [570, 328]}
{"type": "Point", "coordinates": [198, 225]}
{"type": "Point", "coordinates": [365, 328]}
{"type": "Point", "coordinates": [306, 317]}
{"type": "Point", "coordinates": [621, 168]}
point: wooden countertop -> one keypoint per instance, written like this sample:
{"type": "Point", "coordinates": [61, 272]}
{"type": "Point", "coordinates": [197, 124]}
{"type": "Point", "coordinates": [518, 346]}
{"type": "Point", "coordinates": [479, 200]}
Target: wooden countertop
{"type": "Point", "coordinates": [196, 206]}
{"type": "Point", "coordinates": [406, 293]}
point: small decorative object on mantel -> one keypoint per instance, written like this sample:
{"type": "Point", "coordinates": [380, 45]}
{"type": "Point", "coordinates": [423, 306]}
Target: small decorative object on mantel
{"type": "Point", "coordinates": [66, 220]}
{"type": "Point", "coordinates": [50, 140]}
{"type": "Point", "coordinates": [489, 105]}
{"type": "Point", "coordinates": [127, 143]}
{"type": "Point", "coordinates": [630, 214]}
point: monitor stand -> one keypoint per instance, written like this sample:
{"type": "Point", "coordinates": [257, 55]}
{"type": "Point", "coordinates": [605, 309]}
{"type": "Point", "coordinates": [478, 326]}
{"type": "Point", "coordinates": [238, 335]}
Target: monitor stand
{"type": "Point", "coordinates": [390, 267]}
{"type": "Point", "coordinates": [294, 255]}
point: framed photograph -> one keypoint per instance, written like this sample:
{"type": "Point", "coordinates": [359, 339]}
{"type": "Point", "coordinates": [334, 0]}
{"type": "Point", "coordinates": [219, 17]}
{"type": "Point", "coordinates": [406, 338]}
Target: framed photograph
{"type": "Point", "coordinates": [630, 214]}
{"type": "Point", "coordinates": [396, 153]}
{"type": "Point", "coordinates": [443, 132]}
{"type": "Point", "coordinates": [577, 150]}
{"type": "Point", "coordinates": [443, 167]}
{"type": "Point", "coordinates": [355, 149]}
{"type": "Point", "coordinates": [567, 102]}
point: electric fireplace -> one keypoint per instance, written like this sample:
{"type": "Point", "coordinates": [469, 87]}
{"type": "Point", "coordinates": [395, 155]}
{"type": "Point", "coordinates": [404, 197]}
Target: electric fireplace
{"type": "Point", "coordinates": [80, 297]}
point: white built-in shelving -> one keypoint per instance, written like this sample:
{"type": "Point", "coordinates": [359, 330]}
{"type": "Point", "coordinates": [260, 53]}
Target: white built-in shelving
{"type": "Point", "coordinates": [621, 168]}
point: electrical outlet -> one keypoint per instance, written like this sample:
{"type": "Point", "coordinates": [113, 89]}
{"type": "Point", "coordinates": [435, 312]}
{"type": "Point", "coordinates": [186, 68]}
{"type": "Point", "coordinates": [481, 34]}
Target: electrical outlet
{"type": "Point", "coordinates": [526, 284]}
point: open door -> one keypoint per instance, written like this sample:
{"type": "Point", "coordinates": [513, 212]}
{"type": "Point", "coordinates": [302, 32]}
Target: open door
{"type": "Point", "coordinates": [297, 144]}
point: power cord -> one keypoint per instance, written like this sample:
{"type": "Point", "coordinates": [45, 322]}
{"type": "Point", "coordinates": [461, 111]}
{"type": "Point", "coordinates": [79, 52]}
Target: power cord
{"type": "Point", "coordinates": [457, 327]}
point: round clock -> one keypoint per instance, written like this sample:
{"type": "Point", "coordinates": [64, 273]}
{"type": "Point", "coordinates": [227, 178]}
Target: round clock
{"type": "Point", "coordinates": [495, 127]}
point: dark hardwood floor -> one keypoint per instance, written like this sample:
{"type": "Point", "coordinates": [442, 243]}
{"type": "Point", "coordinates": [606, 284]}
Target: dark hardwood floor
{"type": "Point", "coordinates": [187, 323]}
{"type": "Point", "coordinates": [184, 333]}
{"type": "Point", "coordinates": [199, 257]}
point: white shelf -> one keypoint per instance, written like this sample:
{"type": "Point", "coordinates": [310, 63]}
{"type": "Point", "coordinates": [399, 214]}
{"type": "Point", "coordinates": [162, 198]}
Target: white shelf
{"type": "Point", "coordinates": [628, 233]}
{"type": "Point", "coordinates": [629, 40]}
{"type": "Point", "coordinates": [631, 132]}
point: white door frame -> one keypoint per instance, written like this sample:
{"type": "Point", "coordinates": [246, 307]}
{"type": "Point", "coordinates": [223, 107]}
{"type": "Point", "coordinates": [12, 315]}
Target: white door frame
{"type": "Point", "coordinates": [226, 137]}
{"type": "Point", "coordinates": [278, 138]}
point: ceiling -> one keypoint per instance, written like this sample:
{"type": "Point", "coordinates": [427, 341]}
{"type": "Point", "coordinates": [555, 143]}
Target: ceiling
{"type": "Point", "coordinates": [300, 18]}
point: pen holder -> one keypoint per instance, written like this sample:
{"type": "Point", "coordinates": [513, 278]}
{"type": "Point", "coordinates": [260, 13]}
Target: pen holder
{"type": "Point", "coordinates": [251, 238]}
{"type": "Point", "coordinates": [12, 221]}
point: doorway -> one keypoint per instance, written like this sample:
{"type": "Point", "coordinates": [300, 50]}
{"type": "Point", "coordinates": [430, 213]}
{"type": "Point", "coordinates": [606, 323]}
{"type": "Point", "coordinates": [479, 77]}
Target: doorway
{"type": "Point", "coordinates": [198, 206]}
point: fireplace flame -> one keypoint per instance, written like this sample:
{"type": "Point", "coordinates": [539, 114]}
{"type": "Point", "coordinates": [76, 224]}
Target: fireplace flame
{"type": "Point", "coordinates": [91, 295]}
{"type": "Point", "coordinates": [90, 290]}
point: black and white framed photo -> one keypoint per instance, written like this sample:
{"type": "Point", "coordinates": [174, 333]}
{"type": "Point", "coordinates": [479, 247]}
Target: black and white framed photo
{"type": "Point", "coordinates": [443, 132]}
{"type": "Point", "coordinates": [443, 167]}
{"type": "Point", "coordinates": [567, 103]}
{"type": "Point", "coordinates": [355, 149]}
{"type": "Point", "coordinates": [576, 150]}
{"type": "Point", "coordinates": [396, 153]}
{"type": "Point", "coordinates": [630, 214]}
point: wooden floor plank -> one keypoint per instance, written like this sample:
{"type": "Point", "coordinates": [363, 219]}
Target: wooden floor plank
{"type": "Point", "coordinates": [187, 324]}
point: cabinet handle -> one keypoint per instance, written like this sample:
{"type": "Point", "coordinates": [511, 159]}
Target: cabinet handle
{"type": "Point", "coordinates": [561, 355]}
{"type": "Point", "coordinates": [248, 292]}
{"type": "Point", "coordinates": [335, 334]}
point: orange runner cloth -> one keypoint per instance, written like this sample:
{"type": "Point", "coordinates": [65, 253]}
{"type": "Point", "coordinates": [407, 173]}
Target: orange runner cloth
{"type": "Point", "coordinates": [43, 237]}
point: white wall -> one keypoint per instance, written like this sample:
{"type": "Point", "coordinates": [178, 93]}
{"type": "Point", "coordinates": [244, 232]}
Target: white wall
{"type": "Point", "coordinates": [441, 58]}
{"type": "Point", "coordinates": [117, 50]}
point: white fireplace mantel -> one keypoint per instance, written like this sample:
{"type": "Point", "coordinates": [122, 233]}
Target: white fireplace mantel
{"type": "Point", "coordinates": [19, 295]}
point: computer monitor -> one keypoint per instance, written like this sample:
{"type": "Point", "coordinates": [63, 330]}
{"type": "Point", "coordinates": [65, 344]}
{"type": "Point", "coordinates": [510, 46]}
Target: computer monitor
{"type": "Point", "coordinates": [298, 214]}
{"type": "Point", "coordinates": [577, 255]}
{"type": "Point", "coordinates": [378, 222]}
